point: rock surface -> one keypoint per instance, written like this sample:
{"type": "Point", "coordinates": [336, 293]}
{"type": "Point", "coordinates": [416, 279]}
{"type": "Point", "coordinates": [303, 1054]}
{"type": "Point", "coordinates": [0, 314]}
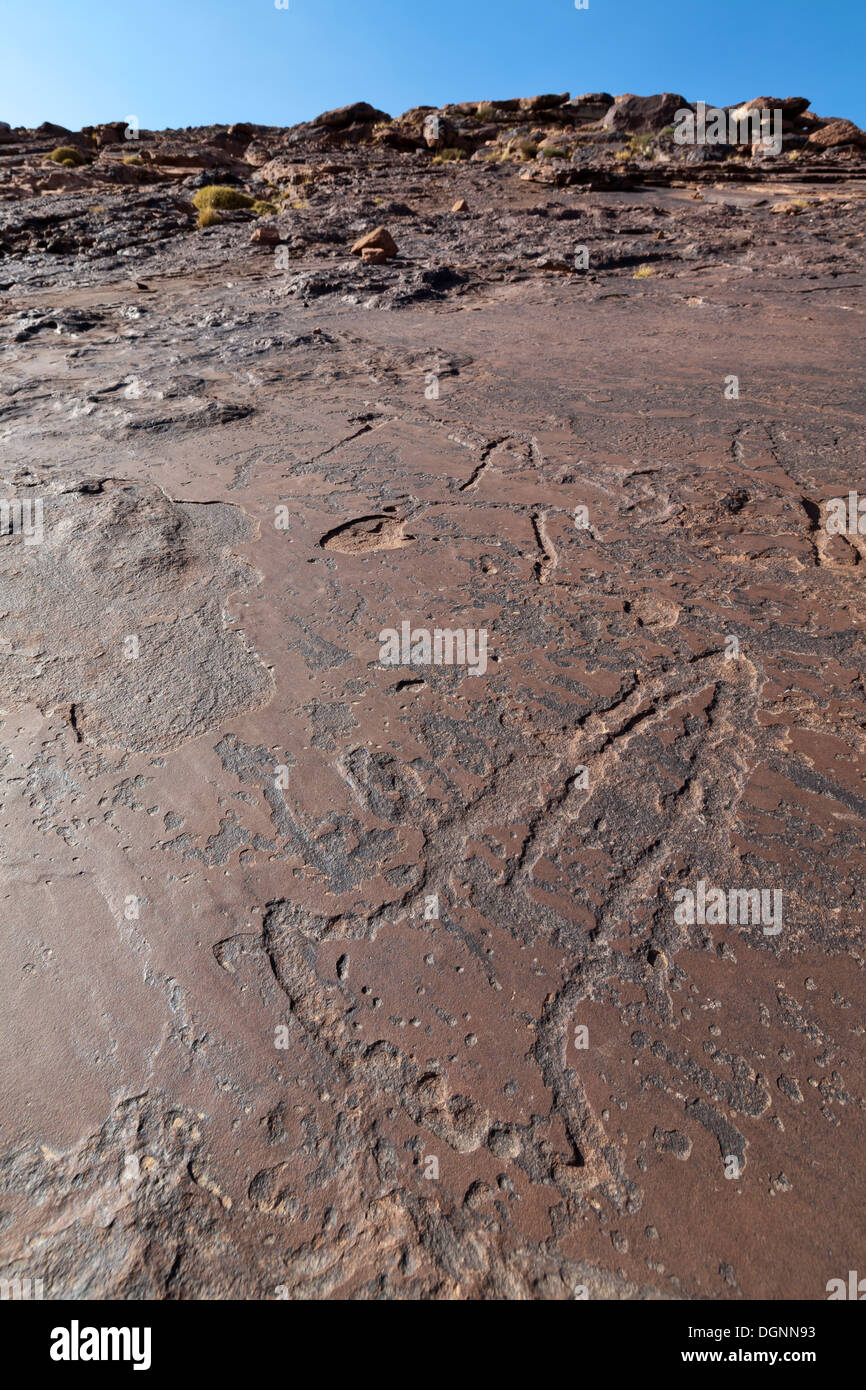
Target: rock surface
{"type": "Point", "coordinates": [332, 973]}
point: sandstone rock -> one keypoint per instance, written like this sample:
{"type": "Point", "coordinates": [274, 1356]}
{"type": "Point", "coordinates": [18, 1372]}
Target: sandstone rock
{"type": "Point", "coordinates": [359, 113]}
{"type": "Point", "coordinates": [543, 103]}
{"type": "Point", "coordinates": [592, 106]}
{"type": "Point", "coordinates": [460, 206]}
{"type": "Point", "coordinates": [836, 133]}
{"type": "Point", "coordinates": [374, 255]}
{"type": "Point", "coordinates": [257, 155]}
{"type": "Point", "coordinates": [265, 236]}
{"type": "Point", "coordinates": [789, 106]}
{"type": "Point", "coordinates": [49, 128]}
{"type": "Point", "coordinates": [111, 133]}
{"type": "Point", "coordinates": [642, 114]}
{"type": "Point", "coordinates": [380, 239]}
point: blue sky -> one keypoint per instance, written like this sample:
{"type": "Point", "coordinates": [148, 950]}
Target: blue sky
{"type": "Point", "coordinates": [197, 62]}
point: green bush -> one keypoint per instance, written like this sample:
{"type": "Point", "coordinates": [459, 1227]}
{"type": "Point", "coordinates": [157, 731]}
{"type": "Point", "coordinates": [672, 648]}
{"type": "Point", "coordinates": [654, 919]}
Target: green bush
{"type": "Point", "coordinates": [65, 154]}
{"type": "Point", "coordinates": [132, 159]}
{"type": "Point", "coordinates": [265, 209]}
{"type": "Point", "coordinates": [217, 195]}
{"type": "Point", "coordinates": [552, 152]}
{"type": "Point", "coordinates": [208, 217]}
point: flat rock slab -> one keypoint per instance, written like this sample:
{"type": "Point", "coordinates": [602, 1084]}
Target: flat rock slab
{"type": "Point", "coordinates": [336, 970]}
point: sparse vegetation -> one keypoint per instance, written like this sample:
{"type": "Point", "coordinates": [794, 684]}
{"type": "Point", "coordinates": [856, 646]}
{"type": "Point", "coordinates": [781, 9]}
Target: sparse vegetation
{"type": "Point", "coordinates": [639, 145]}
{"type": "Point", "coordinates": [264, 208]}
{"type": "Point", "coordinates": [217, 195]}
{"type": "Point", "coordinates": [132, 159]}
{"type": "Point", "coordinates": [527, 149]}
{"type": "Point", "coordinates": [552, 152]}
{"type": "Point", "coordinates": [449, 155]}
{"type": "Point", "coordinates": [642, 272]}
{"type": "Point", "coordinates": [485, 112]}
{"type": "Point", "coordinates": [208, 217]}
{"type": "Point", "coordinates": [65, 154]}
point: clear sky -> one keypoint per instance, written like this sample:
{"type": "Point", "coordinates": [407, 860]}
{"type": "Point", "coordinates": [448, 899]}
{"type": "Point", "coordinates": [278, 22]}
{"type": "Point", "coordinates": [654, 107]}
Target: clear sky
{"type": "Point", "coordinates": [198, 62]}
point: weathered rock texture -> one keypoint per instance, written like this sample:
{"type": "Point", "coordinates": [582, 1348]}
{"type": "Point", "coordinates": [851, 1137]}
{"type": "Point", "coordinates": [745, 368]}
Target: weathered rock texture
{"type": "Point", "coordinates": [282, 923]}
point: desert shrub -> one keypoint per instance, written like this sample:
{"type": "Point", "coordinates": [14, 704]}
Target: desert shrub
{"type": "Point", "coordinates": [637, 145]}
{"type": "Point", "coordinates": [217, 195]}
{"type": "Point", "coordinates": [527, 149]}
{"type": "Point", "coordinates": [448, 156]}
{"type": "Point", "coordinates": [132, 159]}
{"type": "Point", "coordinates": [485, 112]}
{"type": "Point", "coordinates": [264, 208]}
{"type": "Point", "coordinates": [65, 154]}
{"type": "Point", "coordinates": [552, 152]}
{"type": "Point", "coordinates": [208, 217]}
{"type": "Point", "coordinates": [642, 272]}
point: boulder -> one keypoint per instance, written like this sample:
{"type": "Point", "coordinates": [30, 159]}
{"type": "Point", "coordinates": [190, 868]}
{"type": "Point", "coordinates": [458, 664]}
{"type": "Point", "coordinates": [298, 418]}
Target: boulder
{"type": "Point", "coordinates": [543, 103]}
{"type": "Point", "coordinates": [374, 255]}
{"type": "Point", "coordinates": [789, 106]}
{"type": "Point", "coordinates": [836, 133]}
{"type": "Point", "coordinates": [592, 106]}
{"type": "Point", "coordinates": [640, 115]}
{"type": "Point", "coordinates": [359, 113]}
{"type": "Point", "coordinates": [49, 128]}
{"type": "Point", "coordinates": [257, 155]}
{"type": "Point", "coordinates": [380, 239]}
{"type": "Point", "coordinates": [266, 235]}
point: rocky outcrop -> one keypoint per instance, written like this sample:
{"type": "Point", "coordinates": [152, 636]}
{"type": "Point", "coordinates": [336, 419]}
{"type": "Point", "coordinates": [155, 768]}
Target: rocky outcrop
{"type": "Point", "coordinates": [639, 115]}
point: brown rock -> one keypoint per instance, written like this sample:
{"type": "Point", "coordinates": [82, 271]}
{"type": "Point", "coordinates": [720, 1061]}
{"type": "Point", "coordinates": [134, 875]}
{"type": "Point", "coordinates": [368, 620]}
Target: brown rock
{"type": "Point", "coordinates": [460, 206]}
{"type": "Point", "coordinates": [789, 106]}
{"type": "Point", "coordinates": [265, 236]}
{"type": "Point", "coordinates": [374, 255]}
{"type": "Point", "coordinates": [543, 103]}
{"type": "Point", "coordinates": [591, 106]}
{"type": "Point", "coordinates": [257, 155]}
{"type": "Point", "coordinates": [643, 114]}
{"type": "Point", "coordinates": [379, 239]}
{"type": "Point", "coordinates": [359, 113]}
{"type": "Point", "coordinates": [838, 132]}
